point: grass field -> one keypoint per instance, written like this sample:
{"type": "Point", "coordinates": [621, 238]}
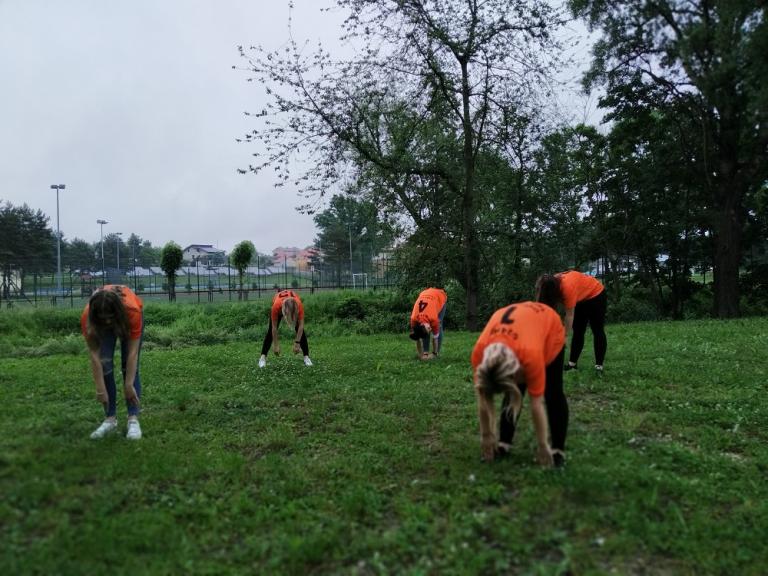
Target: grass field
{"type": "Point", "coordinates": [368, 463]}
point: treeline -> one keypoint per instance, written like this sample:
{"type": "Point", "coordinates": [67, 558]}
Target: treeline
{"type": "Point", "coordinates": [28, 242]}
{"type": "Point", "coordinates": [443, 121]}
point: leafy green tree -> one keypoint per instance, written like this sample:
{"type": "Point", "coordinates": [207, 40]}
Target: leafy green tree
{"type": "Point", "coordinates": [79, 254]}
{"type": "Point", "coordinates": [171, 259]}
{"type": "Point", "coordinates": [241, 258]}
{"type": "Point", "coordinates": [708, 59]}
{"type": "Point", "coordinates": [429, 92]}
{"type": "Point", "coordinates": [350, 232]}
{"type": "Point", "coordinates": [148, 255]}
{"type": "Point", "coordinates": [27, 244]}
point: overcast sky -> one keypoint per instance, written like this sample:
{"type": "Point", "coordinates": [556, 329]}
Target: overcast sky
{"type": "Point", "coordinates": [134, 106]}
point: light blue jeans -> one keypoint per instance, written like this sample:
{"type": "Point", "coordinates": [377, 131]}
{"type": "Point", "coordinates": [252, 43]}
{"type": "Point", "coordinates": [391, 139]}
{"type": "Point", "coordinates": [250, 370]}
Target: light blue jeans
{"type": "Point", "coordinates": [425, 341]}
{"type": "Point", "coordinates": [107, 354]}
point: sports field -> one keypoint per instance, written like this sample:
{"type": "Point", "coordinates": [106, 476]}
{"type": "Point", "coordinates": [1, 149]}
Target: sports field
{"type": "Point", "coordinates": [369, 463]}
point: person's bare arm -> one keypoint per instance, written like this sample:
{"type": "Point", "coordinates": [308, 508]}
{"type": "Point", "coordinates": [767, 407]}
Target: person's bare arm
{"type": "Point", "coordinates": [98, 376]}
{"type": "Point", "coordinates": [299, 334]}
{"type": "Point", "coordinates": [275, 338]}
{"type": "Point", "coordinates": [568, 321]}
{"type": "Point", "coordinates": [485, 413]}
{"type": "Point", "coordinates": [539, 417]}
{"type": "Point", "coordinates": [131, 367]}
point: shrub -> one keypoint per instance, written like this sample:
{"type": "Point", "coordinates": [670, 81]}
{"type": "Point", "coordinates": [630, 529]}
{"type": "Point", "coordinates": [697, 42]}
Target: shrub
{"type": "Point", "coordinates": [351, 308]}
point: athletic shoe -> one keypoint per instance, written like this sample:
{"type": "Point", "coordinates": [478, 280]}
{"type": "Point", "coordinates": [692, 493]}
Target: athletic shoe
{"type": "Point", "coordinates": [569, 366]}
{"type": "Point", "coordinates": [262, 362]}
{"type": "Point", "coordinates": [558, 458]}
{"type": "Point", "coordinates": [134, 430]}
{"type": "Point", "coordinates": [307, 361]}
{"type": "Point", "coordinates": [106, 427]}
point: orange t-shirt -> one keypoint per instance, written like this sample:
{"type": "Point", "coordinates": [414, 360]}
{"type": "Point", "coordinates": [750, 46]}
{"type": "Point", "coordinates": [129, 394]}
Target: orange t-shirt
{"type": "Point", "coordinates": [533, 331]}
{"type": "Point", "coordinates": [576, 286]}
{"type": "Point", "coordinates": [133, 308]}
{"type": "Point", "coordinates": [277, 304]}
{"type": "Point", "coordinates": [427, 308]}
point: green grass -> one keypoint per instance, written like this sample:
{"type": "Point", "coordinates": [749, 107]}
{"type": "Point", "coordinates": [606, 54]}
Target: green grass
{"type": "Point", "coordinates": [368, 463]}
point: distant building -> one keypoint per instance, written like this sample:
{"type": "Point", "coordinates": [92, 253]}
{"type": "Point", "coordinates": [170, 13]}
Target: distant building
{"type": "Point", "coordinates": [292, 257]}
{"type": "Point", "coordinates": [204, 253]}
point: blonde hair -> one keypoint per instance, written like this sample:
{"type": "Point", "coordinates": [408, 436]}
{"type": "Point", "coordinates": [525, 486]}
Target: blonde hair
{"type": "Point", "coordinates": [290, 311]}
{"type": "Point", "coordinates": [496, 372]}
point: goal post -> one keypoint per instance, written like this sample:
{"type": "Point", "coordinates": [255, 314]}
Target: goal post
{"type": "Point", "coordinates": [360, 278]}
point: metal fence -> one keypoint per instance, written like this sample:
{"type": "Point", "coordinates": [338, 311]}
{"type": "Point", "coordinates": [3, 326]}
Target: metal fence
{"type": "Point", "coordinates": [194, 283]}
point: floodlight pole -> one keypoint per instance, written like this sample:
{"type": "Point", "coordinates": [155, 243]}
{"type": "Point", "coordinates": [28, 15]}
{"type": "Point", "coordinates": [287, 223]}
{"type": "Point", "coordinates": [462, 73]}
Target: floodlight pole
{"type": "Point", "coordinates": [117, 249]}
{"type": "Point", "coordinates": [58, 238]}
{"type": "Point", "coordinates": [101, 223]}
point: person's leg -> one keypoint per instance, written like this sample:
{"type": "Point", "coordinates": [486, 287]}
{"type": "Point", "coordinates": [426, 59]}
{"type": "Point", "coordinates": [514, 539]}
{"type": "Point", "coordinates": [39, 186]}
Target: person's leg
{"type": "Point", "coordinates": [556, 402]}
{"type": "Point", "coordinates": [599, 306]}
{"type": "Point", "coordinates": [107, 355]}
{"type": "Point", "coordinates": [425, 342]}
{"type": "Point", "coordinates": [268, 338]}
{"type": "Point", "coordinates": [580, 317]}
{"type": "Point", "coordinates": [507, 420]}
{"type": "Point", "coordinates": [303, 342]}
{"type": "Point", "coordinates": [133, 410]}
{"type": "Point", "coordinates": [440, 318]}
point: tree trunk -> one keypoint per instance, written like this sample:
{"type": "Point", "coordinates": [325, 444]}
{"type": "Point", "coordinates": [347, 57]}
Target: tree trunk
{"type": "Point", "coordinates": [728, 231]}
{"type": "Point", "coordinates": [470, 244]}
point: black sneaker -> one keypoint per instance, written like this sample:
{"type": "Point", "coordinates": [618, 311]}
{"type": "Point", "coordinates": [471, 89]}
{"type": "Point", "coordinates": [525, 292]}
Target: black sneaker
{"type": "Point", "coordinates": [569, 367]}
{"type": "Point", "coordinates": [558, 458]}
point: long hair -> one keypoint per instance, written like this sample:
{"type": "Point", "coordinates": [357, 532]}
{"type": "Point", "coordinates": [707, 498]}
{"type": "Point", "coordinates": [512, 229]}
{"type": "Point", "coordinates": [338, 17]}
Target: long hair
{"type": "Point", "coordinates": [418, 332]}
{"type": "Point", "coordinates": [496, 372]}
{"type": "Point", "coordinates": [290, 309]}
{"type": "Point", "coordinates": [106, 313]}
{"type": "Point", "coordinates": [548, 290]}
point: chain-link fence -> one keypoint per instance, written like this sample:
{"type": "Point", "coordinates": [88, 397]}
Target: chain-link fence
{"type": "Point", "coordinates": [196, 283]}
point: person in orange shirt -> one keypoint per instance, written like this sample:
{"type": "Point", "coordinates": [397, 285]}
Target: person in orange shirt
{"type": "Point", "coordinates": [286, 304]}
{"type": "Point", "coordinates": [115, 312]}
{"type": "Point", "coordinates": [585, 302]}
{"type": "Point", "coordinates": [427, 318]}
{"type": "Point", "coordinates": [522, 348]}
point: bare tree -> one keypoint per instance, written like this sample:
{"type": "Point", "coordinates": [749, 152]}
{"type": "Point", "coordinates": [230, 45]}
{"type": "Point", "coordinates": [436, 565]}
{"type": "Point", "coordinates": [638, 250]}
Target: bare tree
{"type": "Point", "coordinates": [410, 112]}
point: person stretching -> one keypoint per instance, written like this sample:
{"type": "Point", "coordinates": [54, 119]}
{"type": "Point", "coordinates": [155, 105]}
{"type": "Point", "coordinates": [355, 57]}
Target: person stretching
{"type": "Point", "coordinates": [427, 318]}
{"type": "Point", "coordinates": [286, 304]}
{"type": "Point", "coordinates": [585, 301]}
{"type": "Point", "coordinates": [522, 348]}
{"type": "Point", "coordinates": [115, 312]}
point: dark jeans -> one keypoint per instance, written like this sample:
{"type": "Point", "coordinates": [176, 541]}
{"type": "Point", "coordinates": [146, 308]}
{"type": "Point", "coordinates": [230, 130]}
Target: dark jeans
{"type": "Point", "coordinates": [556, 403]}
{"type": "Point", "coordinates": [268, 338]}
{"type": "Point", "coordinates": [107, 356]}
{"type": "Point", "coordinates": [590, 312]}
{"type": "Point", "coordinates": [425, 341]}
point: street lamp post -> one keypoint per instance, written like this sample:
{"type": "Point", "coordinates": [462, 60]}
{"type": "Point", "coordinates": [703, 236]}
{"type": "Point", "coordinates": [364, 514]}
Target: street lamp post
{"type": "Point", "coordinates": [102, 222]}
{"type": "Point", "coordinates": [58, 187]}
{"type": "Point", "coordinates": [117, 248]}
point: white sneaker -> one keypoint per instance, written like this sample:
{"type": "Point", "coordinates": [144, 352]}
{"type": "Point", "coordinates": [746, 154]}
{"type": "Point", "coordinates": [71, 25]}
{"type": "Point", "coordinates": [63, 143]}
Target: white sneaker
{"type": "Point", "coordinates": [262, 362]}
{"type": "Point", "coordinates": [307, 361]}
{"type": "Point", "coordinates": [106, 427]}
{"type": "Point", "coordinates": [134, 430]}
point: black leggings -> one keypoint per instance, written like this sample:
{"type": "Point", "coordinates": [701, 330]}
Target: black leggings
{"type": "Point", "coordinates": [556, 403]}
{"type": "Point", "coordinates": [268, 338]}
{"type": "Point", "coordinates": [590, 312]}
